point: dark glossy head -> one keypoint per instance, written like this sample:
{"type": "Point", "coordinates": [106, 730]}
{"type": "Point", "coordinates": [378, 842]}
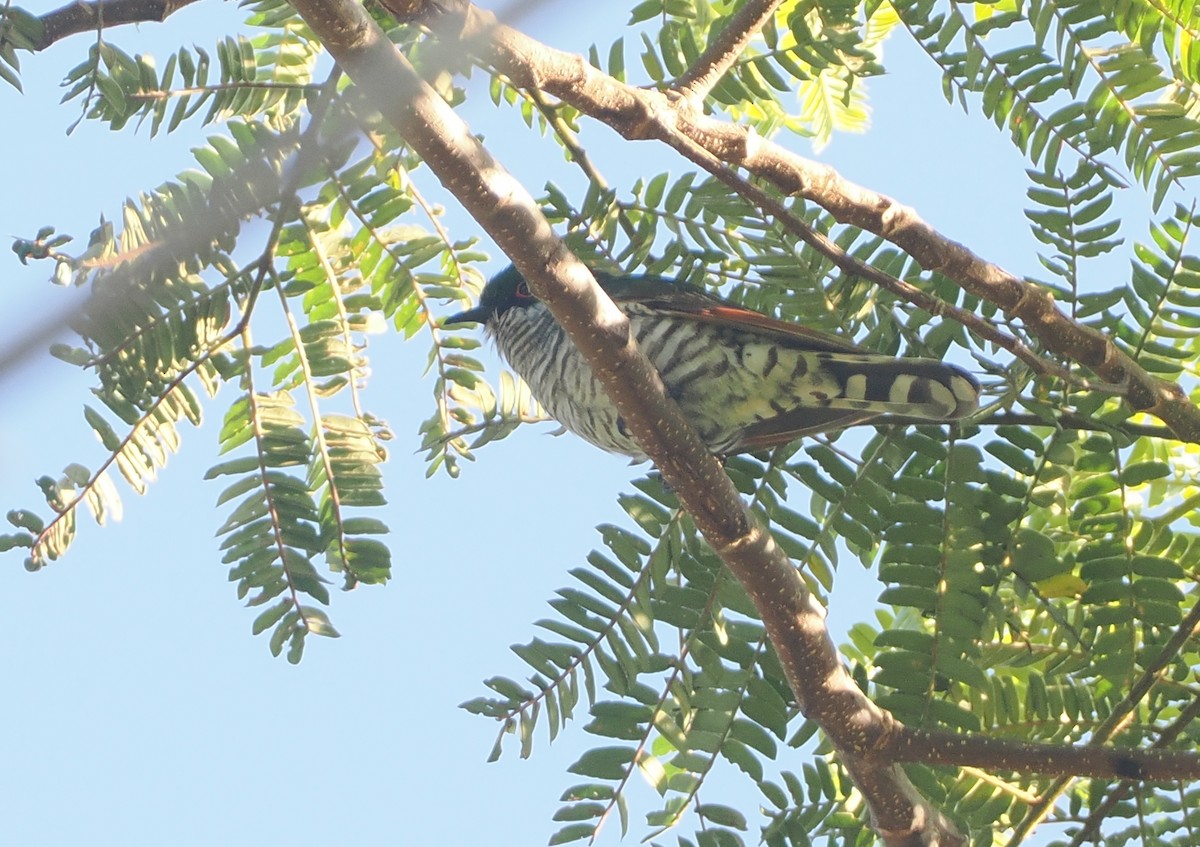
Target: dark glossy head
{"type": "Point", "coordinates": [503, 291]}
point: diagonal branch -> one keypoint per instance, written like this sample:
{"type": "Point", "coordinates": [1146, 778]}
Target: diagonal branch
{"type": "Point", "coordinates": [1137, 692]}
{"type": "Point", "coordinates": [827, 247]}
{"type": "Point", "coordinates": [696, 82]}
{"type": "Point", "coordinates": [795, 621]}
{"type": "Point", "coordinates": [1100, 811]}
{"type": "Point", "coordinates": [640, 114]}
{"type": "Point", "coordinates": [78, 17]}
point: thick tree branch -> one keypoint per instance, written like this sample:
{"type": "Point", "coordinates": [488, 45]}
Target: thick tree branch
{"type": "Point", "coordinates": [794, 619]}
{"type": "Point", "coordinates": [75, 18]}
{"type": "Point", "coordinates": [697, 81]}
{"type": "Point", "coordinates": [640, 114]}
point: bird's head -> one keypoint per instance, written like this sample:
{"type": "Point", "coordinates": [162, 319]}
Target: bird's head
{"type": "Point", "coordinates": [506, 290]}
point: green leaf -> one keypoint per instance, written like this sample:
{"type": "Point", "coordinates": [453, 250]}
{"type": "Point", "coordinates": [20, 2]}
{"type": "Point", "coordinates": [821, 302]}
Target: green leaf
{"type": "Point", "coordinates": [722, 815]}
{"type": "Point", "coordinates": [572, 832]}
{"type": "Point", "coordinates": [271, 616]}
{"type": "Point", "coordinates": [603, 762]}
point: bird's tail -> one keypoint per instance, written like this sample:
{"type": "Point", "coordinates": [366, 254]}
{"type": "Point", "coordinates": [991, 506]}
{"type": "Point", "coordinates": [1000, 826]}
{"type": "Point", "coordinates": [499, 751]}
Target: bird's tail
{"type": "Point", "coordinates": [912, 388]}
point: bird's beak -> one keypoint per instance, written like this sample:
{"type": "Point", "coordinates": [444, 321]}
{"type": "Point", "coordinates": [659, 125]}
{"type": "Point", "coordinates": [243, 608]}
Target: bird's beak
{"type": "Point", "coordinates": [476, 315]}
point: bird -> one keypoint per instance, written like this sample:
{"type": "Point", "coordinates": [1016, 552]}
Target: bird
{"type": "Point", "coordinates": [744, 380]}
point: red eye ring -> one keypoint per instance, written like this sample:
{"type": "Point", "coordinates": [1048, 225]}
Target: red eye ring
{"type": "Point", "coordinates": [523, 292]}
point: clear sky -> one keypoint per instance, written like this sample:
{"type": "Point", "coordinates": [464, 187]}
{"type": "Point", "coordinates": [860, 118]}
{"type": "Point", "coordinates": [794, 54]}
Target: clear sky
{"type": "Point", "coordinates": [138, 708]}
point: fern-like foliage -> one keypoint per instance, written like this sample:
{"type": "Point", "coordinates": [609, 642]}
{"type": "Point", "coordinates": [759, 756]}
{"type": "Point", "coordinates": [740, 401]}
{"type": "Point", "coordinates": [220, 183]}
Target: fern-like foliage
{"type": "Point", "coordinates": [268, 80]}
{"type": "Point", "coordinates": [804, 75]}
{"type": "Point", "coordinates": [1101, 99]}
{"type": "Point", "coordinates": [171, 309]}
{"type": "Point", "coordinates": [1035, 567]}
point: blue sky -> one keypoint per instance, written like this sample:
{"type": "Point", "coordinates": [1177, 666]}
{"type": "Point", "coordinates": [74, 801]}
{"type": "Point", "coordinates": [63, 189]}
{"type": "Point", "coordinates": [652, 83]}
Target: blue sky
{"type": "Point", "coordinates": [140, 710]}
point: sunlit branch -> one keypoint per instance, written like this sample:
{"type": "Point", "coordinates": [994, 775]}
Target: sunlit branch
{"type": "Point", "coordinates": [743, 25]}
{"type": "Point", "coordinates": [794, 619]}
{"type": "Point", "coordinates": [78, 17]}
{"type": "Point", "coordinates": [939, 747]}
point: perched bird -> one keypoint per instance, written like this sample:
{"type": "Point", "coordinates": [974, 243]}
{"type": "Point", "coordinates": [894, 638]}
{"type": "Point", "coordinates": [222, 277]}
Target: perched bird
{"type": "Point", "coordinates": [745, 381]}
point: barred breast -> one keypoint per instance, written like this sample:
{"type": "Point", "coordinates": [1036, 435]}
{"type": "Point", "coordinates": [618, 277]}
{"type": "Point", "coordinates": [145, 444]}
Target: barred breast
{"type": "Point", "coordinates": [558, 376]}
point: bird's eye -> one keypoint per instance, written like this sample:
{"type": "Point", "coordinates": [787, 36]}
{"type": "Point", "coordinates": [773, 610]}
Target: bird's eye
{"type": "Point", "coordinates": [523, 291]}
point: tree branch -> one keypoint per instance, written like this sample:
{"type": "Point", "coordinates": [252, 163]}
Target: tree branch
{"type": "Point", "coordinates": [1100, 811]}
{"type": "Point", "coordinates": [794, 620]}
{"type": "Point", "coordinates": [640, 114]}
{"type": "Point", "coordinates": [78, 17]}
{"type": "Point", "coordinates": [939, 747]}
{"type": "Point", "coordinates": [1068, 421]}
{"type": "Point", "coordinates": [827, 247]}
{"type": "Point", "coordinates": [1138, 690]}
{"type": "Point", "coordinates": [697, 81]}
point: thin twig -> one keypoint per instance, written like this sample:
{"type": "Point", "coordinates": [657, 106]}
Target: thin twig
{"type": "Point", "coordinates": [1070, 421]}
{"type": "Point", "coordinates": [1100, 811]}
{"type": "Point", "coordinates": [158, 94]}
{"type": "Point", "coordinates": [579, 155]}
{"type": "Point", "coordinates": [1137, 691]}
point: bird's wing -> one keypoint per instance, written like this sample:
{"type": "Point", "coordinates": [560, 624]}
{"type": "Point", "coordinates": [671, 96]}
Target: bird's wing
{"type": "Point", "coordinates": [687, 301]}
{"type": "Point", "coordinates": [869, 386]}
